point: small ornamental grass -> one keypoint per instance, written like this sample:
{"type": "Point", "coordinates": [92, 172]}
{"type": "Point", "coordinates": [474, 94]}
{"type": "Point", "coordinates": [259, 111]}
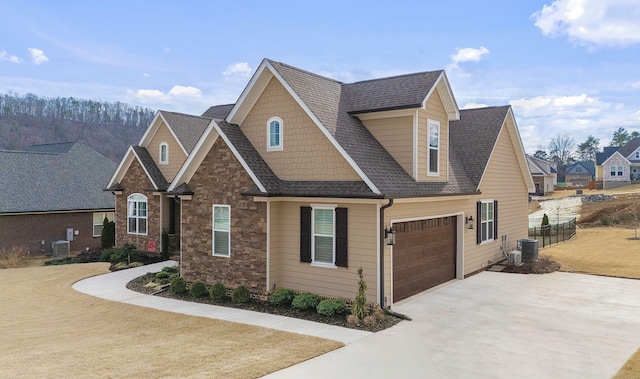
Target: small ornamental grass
{"type": "Point", "coordinates": [331, 307]}
{"type": "Point", "coordinates": [14, 256]}
{"type": "Point", "coordinates": [198, 290]}
{"type": "Point", "coordinates": [282, 296]}
{"type": "Point", "coordinates": [306, 300]}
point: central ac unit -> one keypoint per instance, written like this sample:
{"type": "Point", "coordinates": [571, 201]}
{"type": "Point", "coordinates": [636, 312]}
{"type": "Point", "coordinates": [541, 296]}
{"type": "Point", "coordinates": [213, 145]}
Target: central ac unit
{"type": "Point", "coordinates": [515, 258]}
{"type": "Point", "coordinates": [60, 248]}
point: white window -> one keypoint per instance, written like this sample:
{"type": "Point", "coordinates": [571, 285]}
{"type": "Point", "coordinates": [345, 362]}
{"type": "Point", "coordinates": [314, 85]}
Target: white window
{"type": "Point", "coordinates": [637, 154]}
{"type": "Point", "coordinates": [221, 230]}
{"type": "Point", "coordinates": [486, 221]}
{"type": "Point", "coordinates": [323, 241]}
{"type": "Point", "coordinates": [137, 214]}
{"type": "Point", "coordinates": [98, 222]}
{"type": "Point", "coordinates": [433, 164]}
{"type": "Point", "coordinates": [619, 170]}
{"type": "Point", "coordinates": [164, 153]}
{"type": "Point", "coordinates": [274, 134]}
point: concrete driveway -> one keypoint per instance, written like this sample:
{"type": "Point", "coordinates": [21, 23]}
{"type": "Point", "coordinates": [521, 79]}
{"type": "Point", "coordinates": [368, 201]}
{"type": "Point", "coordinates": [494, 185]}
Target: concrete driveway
{"type": "Point", "coordinates": [498, 325]}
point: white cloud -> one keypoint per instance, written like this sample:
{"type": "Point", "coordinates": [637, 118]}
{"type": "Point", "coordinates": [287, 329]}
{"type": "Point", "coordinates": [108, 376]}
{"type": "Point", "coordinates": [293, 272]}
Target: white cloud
{"type": "Point", "coordinates": [591, 22]}
{"type": "Point", "coordinates": [185, 91]}
{"type": "Point", "coordinates": [146, 75]}
{"type": "Point", "coordinates": [4, 56]}
{"type": "Point", "coordinates": [474, 105]}
{"type": "Point", "coordinates": [38, 56]}
{"type": "Point", "coordinates": [469, 54]}
{"type": "Point", "coordinates": [167, 49]}
{"type": "Point", "coordinates": [176, 94]}
{"type": "Point", "coordinates": [241, 68]}
{"type": "Point", "coordinates": [636, 84]}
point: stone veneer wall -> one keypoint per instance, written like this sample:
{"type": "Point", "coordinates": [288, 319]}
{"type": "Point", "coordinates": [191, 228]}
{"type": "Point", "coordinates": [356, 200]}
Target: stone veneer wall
{"type": "Point", "coordinates": [136, 181]}
{"type": "Point", "coordinates": [221, 179]}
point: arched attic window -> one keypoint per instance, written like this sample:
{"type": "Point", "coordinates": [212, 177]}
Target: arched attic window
{"type": "Point", "coordinates": [164, 153]}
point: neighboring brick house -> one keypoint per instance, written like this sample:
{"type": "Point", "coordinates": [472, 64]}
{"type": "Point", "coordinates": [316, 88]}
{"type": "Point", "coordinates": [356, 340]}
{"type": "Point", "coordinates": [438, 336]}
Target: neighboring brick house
{"type": "Point", "coordinates": [49, 189]}
{"type": "Point", "coordinates": [579, 174]}
{"type": "Point", "coordinates": [306, 179]}
{"type": "Point", "coordinates": [618, 166]}
{"type": "Point", "coordinates": [544, 174]}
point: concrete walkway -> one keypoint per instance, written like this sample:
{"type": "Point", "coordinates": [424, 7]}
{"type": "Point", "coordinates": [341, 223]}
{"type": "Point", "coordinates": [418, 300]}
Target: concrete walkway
{"type": "Point", "coordinates": [492, 325]}
{"type": "Point", "coordinates": [498, 325]}
{"type": "Point", "coordinates": [112, 286]}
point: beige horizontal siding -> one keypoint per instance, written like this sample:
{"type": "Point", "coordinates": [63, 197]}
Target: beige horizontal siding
{"type": "Point", "coordinates": [396, 136]}
{"type": "Point", "coordinates": [288, 272]}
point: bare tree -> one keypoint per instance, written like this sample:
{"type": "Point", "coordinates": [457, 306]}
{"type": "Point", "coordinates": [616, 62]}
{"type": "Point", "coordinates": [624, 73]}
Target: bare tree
{"type": "Point", "coordinates": [561, 148]}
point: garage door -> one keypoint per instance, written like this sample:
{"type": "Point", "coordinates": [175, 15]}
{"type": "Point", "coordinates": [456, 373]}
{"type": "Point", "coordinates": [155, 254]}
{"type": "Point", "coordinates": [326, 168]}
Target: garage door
{"type": "Point", "coordinates": [424, 255]}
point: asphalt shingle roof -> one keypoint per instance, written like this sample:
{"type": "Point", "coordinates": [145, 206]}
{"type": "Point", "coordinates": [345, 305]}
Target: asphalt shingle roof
{"type": "Point", "coordinates": [187, 128]}
{"type": "Point", "coordinates": [218, 111]}
{"type": "Point", "coordinates": [150, 166]}
{"type": "Point", "coordinates": [54, 177]}
{"type": "Point", "coordinates": [629, 148]}
{"type": "Point", "coordinates": [326, 99]}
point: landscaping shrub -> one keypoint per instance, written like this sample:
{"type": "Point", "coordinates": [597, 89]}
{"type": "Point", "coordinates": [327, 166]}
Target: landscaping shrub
{"type": "Point", "coordinates": [170, 269]}
{"type": "Point", "coordinates": [359, 308]}
{"type": "Point", "coordinates": [282, 296]}
{"type": "Point", "coordinates": [108, 235]}
{"type": "Point", "coordinates": [162, 275]}
{"type": "Point", "coordinates": [241, 295]}
{"type": "Point", "coordinates": [61, 261]}
{"type": "Point", "coordinates": [178, 285]}
{"type": "Point", "coordinates": [218, 292]}
{"type": "Point", "coordinates": [331, 307]}
{"type": "Point", "coordinates": [306, 300]}
{"type": "Point", "coordinates": [198, 289]}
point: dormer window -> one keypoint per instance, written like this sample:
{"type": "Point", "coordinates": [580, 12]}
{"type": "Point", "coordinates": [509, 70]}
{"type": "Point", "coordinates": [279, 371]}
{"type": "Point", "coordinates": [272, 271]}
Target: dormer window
{"type": "Point", "coordinates": [274, 134]}
{"type": "Point", "coordinates": [164, 153]}
{"type": "Point", "coordinates": [433, 155]}
{"type": "Point", "coordinates": [637, 154]}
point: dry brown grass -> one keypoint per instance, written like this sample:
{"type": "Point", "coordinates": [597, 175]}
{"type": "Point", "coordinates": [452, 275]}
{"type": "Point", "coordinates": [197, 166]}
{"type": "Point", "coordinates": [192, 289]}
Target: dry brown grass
{"type": "Point", "coordinates": [50, 330]}
{"type": "Point", "coordinates": [599, 251]}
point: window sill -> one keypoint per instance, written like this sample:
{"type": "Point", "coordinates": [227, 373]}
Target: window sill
{"type": "Point", "coordinates": [274, 148]}
{"type": "Point", "coordinates": [221, 256]}
{"type": "Point", "coordinates": [324, 265]}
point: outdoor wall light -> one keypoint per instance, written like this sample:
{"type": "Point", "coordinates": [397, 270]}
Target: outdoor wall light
{"type": "Point", "coordinates": [469, 222]}
{"type": "Point", "coordinates": [390, 236]}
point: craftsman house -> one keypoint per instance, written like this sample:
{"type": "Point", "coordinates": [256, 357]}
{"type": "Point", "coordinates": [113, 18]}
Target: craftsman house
{"type": "Point", "coordinates": [544, 174]}
{"type": "Point", "coordinates": [51, 194]}
{"type": "Point", "coordinates": [579, 174]}
{"type": "Point", "coordinates": [306, 179]}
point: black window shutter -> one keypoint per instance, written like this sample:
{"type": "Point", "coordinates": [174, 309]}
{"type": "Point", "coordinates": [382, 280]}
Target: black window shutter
{"type": "Point", "coordinates": [495, 219]}
{"type": "Point", "coordinates": [479, 222]}
{"type": "Point", "coordinates": [341, 237]}
{"type": "Point", "coordinates": [305, 234]}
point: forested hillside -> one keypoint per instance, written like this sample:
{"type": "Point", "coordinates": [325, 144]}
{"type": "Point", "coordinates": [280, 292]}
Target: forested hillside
{"type": "Point", "coordinates": [108, 128]}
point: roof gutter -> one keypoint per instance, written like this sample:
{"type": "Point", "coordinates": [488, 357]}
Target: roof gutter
{"type": "Point", "coordinates": [381, 233]}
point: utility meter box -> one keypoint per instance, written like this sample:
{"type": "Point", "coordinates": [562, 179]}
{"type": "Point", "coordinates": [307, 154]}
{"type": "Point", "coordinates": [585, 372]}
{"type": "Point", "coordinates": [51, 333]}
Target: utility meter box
{"type": "Point", "coordinates": [69, 234]}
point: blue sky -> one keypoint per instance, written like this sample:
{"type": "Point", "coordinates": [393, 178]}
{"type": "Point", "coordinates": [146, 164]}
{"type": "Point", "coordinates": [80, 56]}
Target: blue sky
{"type": "Point", "coordinates": [570, 66]}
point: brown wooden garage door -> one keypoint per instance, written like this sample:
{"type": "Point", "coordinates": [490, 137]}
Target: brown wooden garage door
{"type": "Point", "coordinates": [424, 255]}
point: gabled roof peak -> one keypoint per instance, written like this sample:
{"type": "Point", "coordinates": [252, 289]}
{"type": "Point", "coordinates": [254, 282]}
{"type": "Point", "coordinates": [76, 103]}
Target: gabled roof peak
{"type": "Point", "coordinates": [272, 62]}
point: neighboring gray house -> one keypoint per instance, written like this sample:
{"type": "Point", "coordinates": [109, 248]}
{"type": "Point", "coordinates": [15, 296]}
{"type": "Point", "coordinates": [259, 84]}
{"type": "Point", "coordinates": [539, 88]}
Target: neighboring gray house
{"type": "Point", "coordinates": [619, 166]}
{"type": "Point", "coordinates": [579, 174]}
{"type": "Point", "coordinates": [54, 192]}
{"type": "Point", "coordinates": [544, 174]}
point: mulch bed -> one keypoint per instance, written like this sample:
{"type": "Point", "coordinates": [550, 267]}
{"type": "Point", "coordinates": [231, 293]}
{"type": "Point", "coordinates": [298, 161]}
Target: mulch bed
{"type": "Point", "coordinates": [543, 265]}
{"type": "Point", "coordinates": [377, 324]}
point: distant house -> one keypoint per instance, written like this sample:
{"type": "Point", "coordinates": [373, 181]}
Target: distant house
{"type": "Point", "coordinates": [618, 166]}
{"type": "Point", "coordinates": [304, 180]}
{"type": "Point", "coordinates": [580, 174]}
{"type": "Point", "coordinates": [54, 192]}
{"type": "Point", "coordinates": [544, 174]}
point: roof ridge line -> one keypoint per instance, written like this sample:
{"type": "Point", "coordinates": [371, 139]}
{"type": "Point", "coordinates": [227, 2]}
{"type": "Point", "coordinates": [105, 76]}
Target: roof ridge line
{"type": "Point", "coordinates": [305, 71]}
{"type": "Point", "coordinates": [395, 76]}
